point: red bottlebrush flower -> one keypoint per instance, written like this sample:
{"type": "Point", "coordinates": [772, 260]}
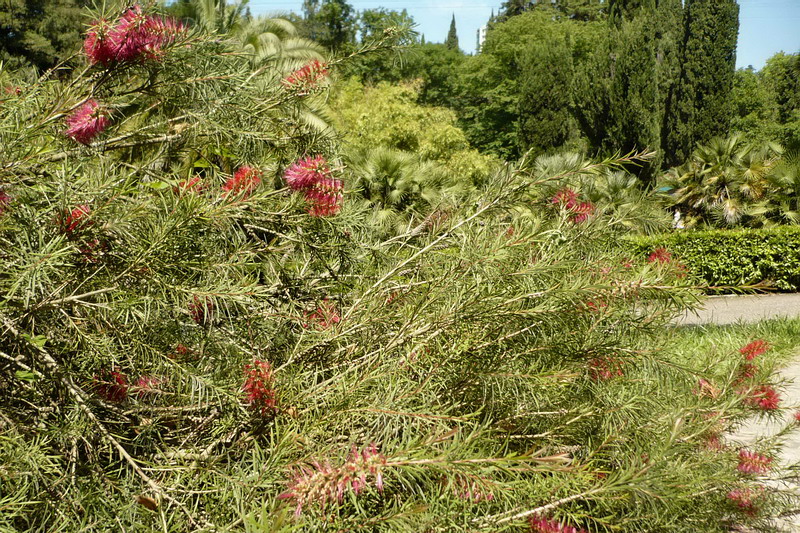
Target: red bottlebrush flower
{"type": "Point", "coordinates": [753, 462]}
{"type": "Point", "coordinates": [540, 524]}
{"type": "Point", "coordinates": [745, 499]}
{"type": "Point", "coordinates": [306, 172]}
{"type": "Point", "coordinates": [5, 200]}
{"type": "Point", "coordinates": [605, 368]}
{"type": "Point", "coordinates": [244, 181]}
{"type": "Point", "coordinates": [201, 310]}
{"type": "Point", "coordinates": [13, 89]}
{"type": "Point", "coordinates": [796, 417]}
{"type": "Point", "coordinates": [321, 190]}
{"type": "Point", "coordinates": [193, 185]}
{"type": "Point", "coordinates": [305, 80]}
{"type": "Point", "coordinates": [134, 37]}
{"type": "Point", "coordinates": [324, 316]}
{"type": "Point", "coordinates": [321, 483]}
{"type": "Point", "coordinates": [566, 197]}
{"type": "Point", "coordinates": [259, 387]}
{"type": "Point", "coordinates": [764, 398]}
{"type": "Point", "coordinates": [112, 385]}
{"type": "Point", "coordinates": [325, 197]}
{"type": "Point", "coordinates": [87, 122]}
{"type": "Point", "coordinates": [754, 349]}
{"type": "Point", "coordinates": [660, 255]}
{"type": "Point", "coordinates": [76, 219]}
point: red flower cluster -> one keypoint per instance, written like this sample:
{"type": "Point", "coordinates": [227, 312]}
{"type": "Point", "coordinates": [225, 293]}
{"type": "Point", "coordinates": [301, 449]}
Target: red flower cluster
{"type": "Point", "coordinates": [659, 255]}
{"type": "Point", "coordinates": [313, 177]}
{"type": "Point", "coordinates": [543, 525]}
{"type": "Point", "coordinates": [322, 484]}
{"type": "Point", "coordinates": [745, 499]}
{"type": "Point", "coordinates": [753, 462]}
{"type": "Point", "coordinates": [567, 199]}
{"type": "Point", "coordinates": [754, 349]}
{"type": "Point", "coordinates": [304, 80]}
{"type": "Point", "coordinates": [112, 385]}
{"type": "Point", "coordinates": [259, 387]}
{"type": "Point", "coordinates": [244, 181]}
{"type": "Point", "coordinates": [134, 37]}
{"type": "Point", "coordinates": [763, 397]}
{"type": "Point", "coordinates": [325, 316]}
{"type": "Point", "coordinates": [87, 122]}
{"type": "Point", "coordinates": [193, 185]}
{"type": "Point", "coordinates": [605, 368]}
{"type": "Point", "coordinates": [201, 310]}
{"type": "Point", "coordinates": [76, 219]}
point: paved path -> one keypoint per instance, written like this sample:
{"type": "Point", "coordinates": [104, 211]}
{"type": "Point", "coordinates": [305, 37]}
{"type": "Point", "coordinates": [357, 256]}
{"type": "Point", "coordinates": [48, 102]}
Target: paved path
{"type": "Point", "coordinates": [761, 427]}
{"type": "Point", "coordinates": [749, 308]}
{"type": "Point", "coordinates": [754, 308]}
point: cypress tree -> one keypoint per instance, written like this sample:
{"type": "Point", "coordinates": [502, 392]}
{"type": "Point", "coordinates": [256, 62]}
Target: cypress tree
{"type": "Point", "coordinates": [452, 37]}
{"type": "Point", "coordinates": [699, 106]}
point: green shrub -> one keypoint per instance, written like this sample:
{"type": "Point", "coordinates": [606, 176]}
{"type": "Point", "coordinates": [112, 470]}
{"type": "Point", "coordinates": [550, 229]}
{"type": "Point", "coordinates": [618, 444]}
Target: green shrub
{"type": "Point", "coordinates": [726, 259]}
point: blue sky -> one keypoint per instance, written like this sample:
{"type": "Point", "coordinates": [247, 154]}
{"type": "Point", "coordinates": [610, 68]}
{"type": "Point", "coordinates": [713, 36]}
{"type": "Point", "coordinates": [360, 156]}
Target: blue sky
{"type": "Point", "coordinates": [765, 26]}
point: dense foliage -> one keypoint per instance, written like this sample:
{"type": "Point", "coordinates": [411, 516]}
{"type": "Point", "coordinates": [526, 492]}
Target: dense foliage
{"type": "Point", "coordinates": [723, 260]}
{"type": "Point", "coordinates": [201, 329]}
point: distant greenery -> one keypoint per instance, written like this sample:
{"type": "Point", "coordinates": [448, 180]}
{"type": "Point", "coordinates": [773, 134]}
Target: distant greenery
{"type": "Point", "coordinates": [730, 258]}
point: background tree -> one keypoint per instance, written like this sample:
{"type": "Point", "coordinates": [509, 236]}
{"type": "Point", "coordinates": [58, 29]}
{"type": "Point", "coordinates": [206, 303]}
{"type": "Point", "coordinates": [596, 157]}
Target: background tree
{"type": "Point", "coordinates": [452, 36]}
{"type": "Point", "coordinates": [334, 25]}
{"type": "Point", "coordinates": [39, 33]}
{"type": "Point", "coordinates": [699, 106]}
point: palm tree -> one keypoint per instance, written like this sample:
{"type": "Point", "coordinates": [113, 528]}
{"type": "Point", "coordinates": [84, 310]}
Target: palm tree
{"type": "Point", "coordinates": [401, 187]}
{"type": "Point", "coordinates": [265, 39]}
{"type": "Point", "coordinates": [724, 181]}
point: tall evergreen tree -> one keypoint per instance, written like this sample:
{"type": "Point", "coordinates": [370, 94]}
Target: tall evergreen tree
{"type": "Point", "coordinates": [39, 33]}
{"type": "Point", "coordinates": [452, 36]}
{"type": "Point", "coordinates": [699, 107]}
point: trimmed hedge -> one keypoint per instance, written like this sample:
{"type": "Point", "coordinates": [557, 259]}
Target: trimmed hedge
{"type": "Point", "coordinates": [725, 259]}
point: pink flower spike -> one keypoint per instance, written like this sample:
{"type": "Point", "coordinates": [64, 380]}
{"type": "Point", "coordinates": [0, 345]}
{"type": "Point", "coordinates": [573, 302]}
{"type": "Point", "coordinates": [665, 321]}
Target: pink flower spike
{"type": "Point", "coordinates": [87, 122]}
{"type": "Point", "coordinates": [753, 462]}
{"type": "Point", "coordinates": [97, 46]}
{"type": "Point", "coordinates": [305, 173]}
{"type": "Point", "coordinates": [543, 525]}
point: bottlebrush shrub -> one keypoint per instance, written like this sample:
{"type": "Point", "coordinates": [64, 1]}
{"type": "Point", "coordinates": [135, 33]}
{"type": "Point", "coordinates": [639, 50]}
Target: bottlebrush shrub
{"type": "Point", "coordinates": [726, 259]}
{"type": "Point", "coordinates": [126, 400]}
